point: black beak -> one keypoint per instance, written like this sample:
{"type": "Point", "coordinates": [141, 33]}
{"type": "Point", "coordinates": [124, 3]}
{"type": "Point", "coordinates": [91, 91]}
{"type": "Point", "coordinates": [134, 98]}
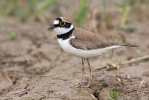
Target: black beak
{"type": "Point", "coordinates": [52, 27]}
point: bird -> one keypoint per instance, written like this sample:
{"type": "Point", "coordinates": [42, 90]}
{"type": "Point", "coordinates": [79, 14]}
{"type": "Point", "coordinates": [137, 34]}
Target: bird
{"type": "Point", "coordinates": [82, 43]}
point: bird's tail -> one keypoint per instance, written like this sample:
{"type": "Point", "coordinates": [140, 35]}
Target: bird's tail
{"type": "Point", "coordinates": [129, 45]}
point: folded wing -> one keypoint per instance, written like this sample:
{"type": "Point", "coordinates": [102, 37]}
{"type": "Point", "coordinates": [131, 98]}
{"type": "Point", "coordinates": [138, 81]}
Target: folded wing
{"type": "Point", "coordinates": [87, 40]}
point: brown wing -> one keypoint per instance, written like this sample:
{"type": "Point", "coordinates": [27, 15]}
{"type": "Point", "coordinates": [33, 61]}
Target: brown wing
{"type": "Point", "coordinates": [87, 40]}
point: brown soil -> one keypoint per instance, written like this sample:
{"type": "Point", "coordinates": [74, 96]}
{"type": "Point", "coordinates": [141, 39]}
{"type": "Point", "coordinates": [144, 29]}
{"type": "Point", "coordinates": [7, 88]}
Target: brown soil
{"type": "Point", "coordinates": [34, 67]}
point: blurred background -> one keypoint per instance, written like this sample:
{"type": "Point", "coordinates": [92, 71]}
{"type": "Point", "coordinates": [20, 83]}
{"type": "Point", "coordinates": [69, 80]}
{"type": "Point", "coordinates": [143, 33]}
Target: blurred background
{"type": "Point", "coordinates": [110, 13]}
{"type": "Point", "coordinates": [29, 50]}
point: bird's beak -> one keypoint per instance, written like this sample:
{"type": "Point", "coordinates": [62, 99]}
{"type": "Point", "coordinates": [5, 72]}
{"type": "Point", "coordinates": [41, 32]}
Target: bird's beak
{"type": "Point", "coordinates": [52, 27]}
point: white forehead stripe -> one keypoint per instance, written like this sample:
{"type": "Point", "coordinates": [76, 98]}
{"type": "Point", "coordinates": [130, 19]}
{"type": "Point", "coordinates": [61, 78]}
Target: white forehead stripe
{"type": "Point", "coordinates": [56, 22]}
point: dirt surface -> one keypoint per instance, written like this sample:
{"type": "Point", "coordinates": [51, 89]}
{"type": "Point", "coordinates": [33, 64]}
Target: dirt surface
{"type": "Point", "coordinates": [34, 67]}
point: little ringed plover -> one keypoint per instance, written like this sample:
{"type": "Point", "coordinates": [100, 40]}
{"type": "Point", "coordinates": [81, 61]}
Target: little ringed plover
{"type": "Point", "coordinates": [82, 43]}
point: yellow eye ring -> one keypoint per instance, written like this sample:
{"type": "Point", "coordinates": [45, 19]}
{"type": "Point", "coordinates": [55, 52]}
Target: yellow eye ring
{"type": "Point", "coordinates": [62, 23]}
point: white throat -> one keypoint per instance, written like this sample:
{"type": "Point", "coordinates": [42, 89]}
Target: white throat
{"type": "Point", "coordinates": [63, 30]}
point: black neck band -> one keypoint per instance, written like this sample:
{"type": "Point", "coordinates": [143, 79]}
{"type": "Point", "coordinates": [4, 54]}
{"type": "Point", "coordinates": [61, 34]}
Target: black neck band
{"type": "Point", "coordinates": [65, 35]}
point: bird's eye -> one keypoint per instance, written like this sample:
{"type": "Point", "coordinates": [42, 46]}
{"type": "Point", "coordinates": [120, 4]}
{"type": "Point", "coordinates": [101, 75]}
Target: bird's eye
{"type": "Point", "coordinates": [62, 23]}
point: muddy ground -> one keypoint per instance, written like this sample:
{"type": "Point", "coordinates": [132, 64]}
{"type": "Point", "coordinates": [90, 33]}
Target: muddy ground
{"type": "Point", "coordinates": [34, 67]}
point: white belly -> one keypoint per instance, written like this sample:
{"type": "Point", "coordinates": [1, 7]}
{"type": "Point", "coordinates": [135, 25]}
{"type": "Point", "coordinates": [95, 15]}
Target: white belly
{"type": "Point", "coordinates": [83, 53]}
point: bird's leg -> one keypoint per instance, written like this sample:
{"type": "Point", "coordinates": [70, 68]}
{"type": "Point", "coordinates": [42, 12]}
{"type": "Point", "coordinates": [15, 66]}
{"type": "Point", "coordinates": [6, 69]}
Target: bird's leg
{"type": "Point", "coordinates": [90, 76]}
{"type": "Point", "coordinates": [82, 73]}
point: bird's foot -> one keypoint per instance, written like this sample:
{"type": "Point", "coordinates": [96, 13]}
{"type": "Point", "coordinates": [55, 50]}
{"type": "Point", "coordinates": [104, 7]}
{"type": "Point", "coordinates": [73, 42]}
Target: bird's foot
{"type": "Point", "coordinates": [83, 86]}
{"type": "Point", "coordinates": [87, 86]}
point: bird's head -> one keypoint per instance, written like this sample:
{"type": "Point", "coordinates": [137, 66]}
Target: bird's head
{"type": "Point", "coordinates": [62, 25]}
